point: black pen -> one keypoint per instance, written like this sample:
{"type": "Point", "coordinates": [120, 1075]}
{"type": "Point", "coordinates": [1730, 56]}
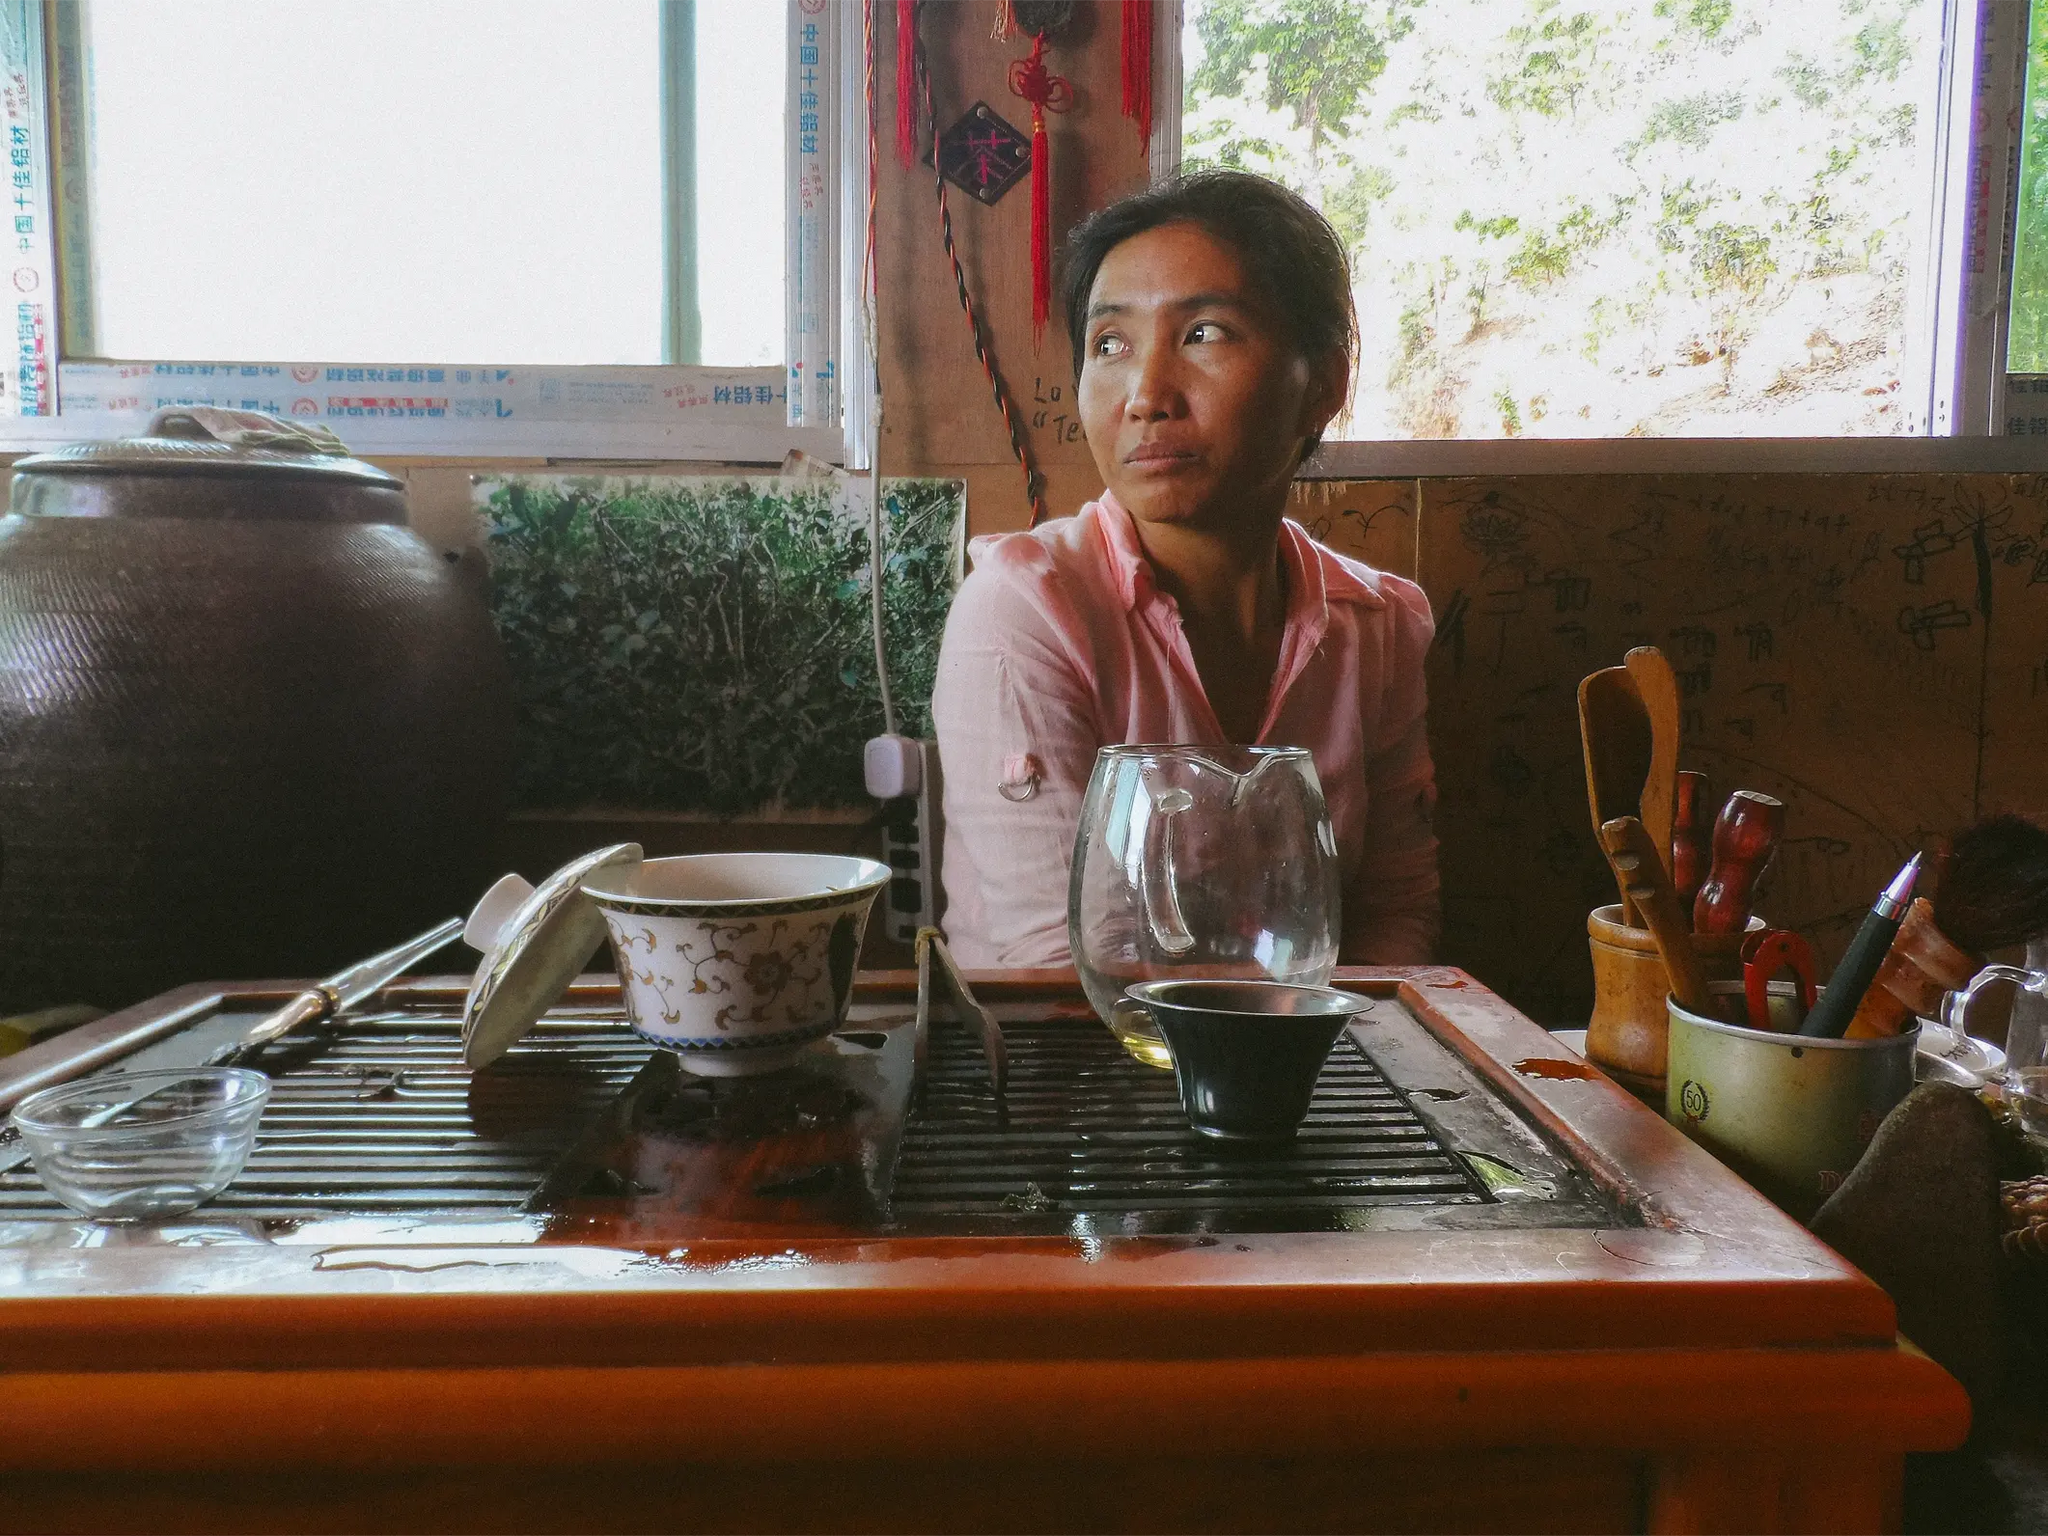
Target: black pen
{"type": "Point", "coordinates": [1844, 992]}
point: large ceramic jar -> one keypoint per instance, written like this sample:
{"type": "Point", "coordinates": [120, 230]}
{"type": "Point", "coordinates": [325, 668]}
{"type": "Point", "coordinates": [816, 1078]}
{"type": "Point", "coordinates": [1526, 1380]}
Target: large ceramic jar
{"type": "Point", "coordinates": [250, 723]}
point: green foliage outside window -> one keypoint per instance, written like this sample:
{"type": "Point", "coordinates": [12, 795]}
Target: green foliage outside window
{"type": "Point", "coordinates": [1576, 218]}
{"type": "Point", "coordinates": [2026, 347]}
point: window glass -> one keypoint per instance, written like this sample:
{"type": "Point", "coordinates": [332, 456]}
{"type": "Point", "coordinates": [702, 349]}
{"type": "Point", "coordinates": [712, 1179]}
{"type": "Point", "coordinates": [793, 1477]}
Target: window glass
{"type": "Point", "coordinates": [385, 180]}
{"type": "Point", "coordinates": [1667, 217]}
{"type": "Point", "coordinates": [740, 184]}
{"type": "Point", "coordinates": [2027, 338]}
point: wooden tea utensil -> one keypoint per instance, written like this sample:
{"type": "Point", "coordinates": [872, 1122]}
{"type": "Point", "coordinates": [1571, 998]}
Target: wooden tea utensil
{"type": "Point", "coordinates": [1745, 837]}
{"type": "Point", "coordinates": [1657, 691]}
{"type": "Point", "coordinates": [1643, 878]}
{"type": "Point", "coordinates": [1615, 733]}
{"type": "Point", "coordinates": [1690, 848]}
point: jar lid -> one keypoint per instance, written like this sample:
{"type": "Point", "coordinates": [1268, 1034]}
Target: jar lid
{"type": "Point", "coordinates": [537, 952]}
{"type": "Point", "coordinates": [205, 440]}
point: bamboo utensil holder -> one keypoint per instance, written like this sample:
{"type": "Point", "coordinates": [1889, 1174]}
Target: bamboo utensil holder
{"type": "Point", "coordinates": [1627, 1036]}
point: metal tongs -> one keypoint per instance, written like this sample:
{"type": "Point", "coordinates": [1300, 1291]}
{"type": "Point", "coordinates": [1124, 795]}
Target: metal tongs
{"type": "Point", "coordinates": [935, 969]}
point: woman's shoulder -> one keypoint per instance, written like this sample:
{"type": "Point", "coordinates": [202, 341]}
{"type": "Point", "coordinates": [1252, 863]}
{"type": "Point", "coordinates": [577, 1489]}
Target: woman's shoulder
{"type": "Point", "coordinates": [1055, 567]}
{"type": "Point", "coordinates": [1043, 583]}
{"type": "Point", "coordinates": [1403, 602]}
{"type": "Point", "coordinates": [1062, 548]}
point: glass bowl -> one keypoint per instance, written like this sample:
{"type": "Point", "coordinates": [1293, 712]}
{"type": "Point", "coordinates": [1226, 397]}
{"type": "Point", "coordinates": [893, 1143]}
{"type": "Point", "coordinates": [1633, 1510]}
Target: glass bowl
{"type": "Point", "coordinates": [139, 1146]}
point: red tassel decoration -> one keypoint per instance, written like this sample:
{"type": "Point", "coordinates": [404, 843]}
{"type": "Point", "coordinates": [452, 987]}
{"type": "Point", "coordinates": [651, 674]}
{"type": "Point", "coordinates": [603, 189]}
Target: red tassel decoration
{"type": "Point", "coordinates": [906, 82]}
{"type": "Point", "coordinates": [1046, 92]}
{"type": "Point", "coordinates": [1137, 67]}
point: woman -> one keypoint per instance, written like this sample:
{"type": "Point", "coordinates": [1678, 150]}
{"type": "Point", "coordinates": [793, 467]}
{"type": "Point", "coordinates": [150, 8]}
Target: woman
{"type": "Point", "coordinates": [1214, 340]}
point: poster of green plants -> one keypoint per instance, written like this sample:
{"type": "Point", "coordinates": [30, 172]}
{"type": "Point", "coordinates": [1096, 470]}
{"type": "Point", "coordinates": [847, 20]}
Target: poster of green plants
{"type": "Point", "coordinates": [690, 644]}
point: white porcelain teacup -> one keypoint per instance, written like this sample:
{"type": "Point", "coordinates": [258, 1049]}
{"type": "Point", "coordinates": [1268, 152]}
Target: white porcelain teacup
{"type": "Point", "coordinates": [737, 961]}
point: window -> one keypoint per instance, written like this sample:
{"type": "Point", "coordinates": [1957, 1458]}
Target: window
{"type": "Point", "coordinates": [546, 210]}
{"type": "Point", "coordinates": [1715, 218]}
{"type": "Point", "coordinates": [2027, 340]}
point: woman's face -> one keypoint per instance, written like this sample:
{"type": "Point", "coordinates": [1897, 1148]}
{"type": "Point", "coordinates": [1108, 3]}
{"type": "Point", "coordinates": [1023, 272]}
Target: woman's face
{"type": "Point", "coordinates": [1193, 397]}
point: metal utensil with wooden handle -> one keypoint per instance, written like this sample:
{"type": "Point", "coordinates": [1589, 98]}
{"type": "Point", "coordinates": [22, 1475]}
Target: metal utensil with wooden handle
{"type": "Point", "coordinates": [1615, 734]}
{"type": "Point", "coordinates": [1633, 857]}
{"type": "Point", "coordinates": [1657, 691]}
{"type": "Point", "coordinates": [339, 992]}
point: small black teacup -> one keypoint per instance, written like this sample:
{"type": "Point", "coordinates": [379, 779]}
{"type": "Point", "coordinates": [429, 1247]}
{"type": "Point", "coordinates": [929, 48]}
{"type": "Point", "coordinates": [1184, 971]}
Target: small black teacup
{"type": "Point", "coordinates": [1247, 1053]}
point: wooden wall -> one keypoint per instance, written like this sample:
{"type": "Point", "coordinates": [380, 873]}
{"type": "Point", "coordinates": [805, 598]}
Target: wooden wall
{"type": "Point", "coordinates": [938, 414]}
{"type": "Point", "coordinates": [1873, 650]}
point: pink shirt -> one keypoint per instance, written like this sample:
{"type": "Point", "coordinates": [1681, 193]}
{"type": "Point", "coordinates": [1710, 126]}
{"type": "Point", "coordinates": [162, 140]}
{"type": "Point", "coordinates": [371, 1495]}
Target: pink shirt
{"type": "Point", "coordinates": [1060, 643]}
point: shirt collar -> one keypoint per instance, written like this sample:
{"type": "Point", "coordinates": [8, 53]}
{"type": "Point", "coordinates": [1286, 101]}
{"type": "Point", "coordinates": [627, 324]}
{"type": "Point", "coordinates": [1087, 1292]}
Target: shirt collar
{"type": "Point", "coordinates": [1316, 576]}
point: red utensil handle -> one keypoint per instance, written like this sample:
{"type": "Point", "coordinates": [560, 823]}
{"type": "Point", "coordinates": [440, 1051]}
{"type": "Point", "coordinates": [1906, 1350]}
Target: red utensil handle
{"type": "Point", "coordinates": [1689, 833]}
{"type": "Point", "coordinates": [1745, 837]}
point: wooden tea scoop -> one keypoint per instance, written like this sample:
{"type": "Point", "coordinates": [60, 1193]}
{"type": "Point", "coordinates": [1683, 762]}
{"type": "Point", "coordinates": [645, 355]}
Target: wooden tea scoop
{"type": "Point", "coordinates": [1643, 878]}
{"type": "Point", "coordinates": [1745, 837]}
{"type": "Point", "coordinates": [1657, 691]}
{"type": "Point", "coordinates": [1614, 731]}
{"type": "Point", "coordinates": [1690, 848]}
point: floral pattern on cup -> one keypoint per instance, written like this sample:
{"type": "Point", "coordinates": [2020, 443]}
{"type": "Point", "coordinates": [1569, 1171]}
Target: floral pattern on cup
{"type": "Point", "coordinates": [737, 987]}
{"type": "Point", "coordinates": [769, 973]}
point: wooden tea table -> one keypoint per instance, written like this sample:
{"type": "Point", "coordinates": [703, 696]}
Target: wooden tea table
{"type": "Point", "coordinates": [582, 1308]}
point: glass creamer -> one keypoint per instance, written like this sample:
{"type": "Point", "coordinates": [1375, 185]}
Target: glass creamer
{"type": "Point", "coordinates": [1199, 861]}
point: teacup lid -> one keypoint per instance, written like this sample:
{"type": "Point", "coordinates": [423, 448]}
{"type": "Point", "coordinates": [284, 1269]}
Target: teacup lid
{"type": "Point", "coordinates": [538, 951]}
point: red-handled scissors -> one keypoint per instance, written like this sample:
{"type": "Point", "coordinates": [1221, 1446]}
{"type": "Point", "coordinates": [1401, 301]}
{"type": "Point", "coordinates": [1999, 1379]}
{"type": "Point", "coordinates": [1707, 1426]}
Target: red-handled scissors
{"type": "Point", "coordinates": [1764, 955]}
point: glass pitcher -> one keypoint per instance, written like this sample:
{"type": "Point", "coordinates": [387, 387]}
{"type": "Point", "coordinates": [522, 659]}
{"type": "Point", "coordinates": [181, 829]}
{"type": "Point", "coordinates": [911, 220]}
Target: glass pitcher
{"type": "Point", "coordinates": [2026, 1042]}
{"type": "Point", "coordinates": [1200, 861]}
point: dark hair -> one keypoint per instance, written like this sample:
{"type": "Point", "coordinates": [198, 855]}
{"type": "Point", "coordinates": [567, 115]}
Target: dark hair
{"type": "Point", "coordinates": [1290, 253]}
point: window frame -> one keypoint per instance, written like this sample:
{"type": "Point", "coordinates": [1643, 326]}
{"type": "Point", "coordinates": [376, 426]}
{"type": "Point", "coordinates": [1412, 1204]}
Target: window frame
{"type": "Point", "coordinates": [1975, 175]}
{"type": "Point", "coordinates": [810, 401]}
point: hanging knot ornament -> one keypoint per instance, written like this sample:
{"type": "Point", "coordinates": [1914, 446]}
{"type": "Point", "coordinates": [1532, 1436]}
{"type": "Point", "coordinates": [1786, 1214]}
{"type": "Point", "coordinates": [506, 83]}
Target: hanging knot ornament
{"type": "Point", "coordinates": [1046, 92]}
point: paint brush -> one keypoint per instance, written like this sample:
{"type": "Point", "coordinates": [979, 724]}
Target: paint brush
{"type": "Point", "coordinates": [1838, 1004]}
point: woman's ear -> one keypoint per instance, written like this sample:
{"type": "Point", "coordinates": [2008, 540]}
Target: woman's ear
{"type": "Point", "coordinates": [1329, 387]}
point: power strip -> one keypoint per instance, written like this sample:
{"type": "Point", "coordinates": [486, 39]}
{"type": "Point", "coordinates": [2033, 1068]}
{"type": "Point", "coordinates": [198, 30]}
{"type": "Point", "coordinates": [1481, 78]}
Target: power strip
{"type": "Point", "coordinates": [911, 838]}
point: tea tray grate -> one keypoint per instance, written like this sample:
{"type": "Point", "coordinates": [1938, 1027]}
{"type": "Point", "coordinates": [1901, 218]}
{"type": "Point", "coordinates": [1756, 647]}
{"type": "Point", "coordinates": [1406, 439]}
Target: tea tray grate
{"type": "Point", "coordinates": [385, 1118]}
{"type": "Point", "coordinates": [1086, 1130]}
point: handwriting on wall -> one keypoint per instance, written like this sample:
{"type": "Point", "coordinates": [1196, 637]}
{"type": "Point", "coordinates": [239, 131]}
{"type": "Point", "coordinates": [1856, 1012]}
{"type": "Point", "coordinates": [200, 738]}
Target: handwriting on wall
{"type": "Point", "coordinates": [1871, 649]}
{"type": "Point", "coordinates": [1054, 411]}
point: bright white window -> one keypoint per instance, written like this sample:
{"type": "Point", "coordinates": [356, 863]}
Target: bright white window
{"type": "Point", "coordinates": [465, 180]}
{"type": "Point", "coordinates": [740, 86]}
